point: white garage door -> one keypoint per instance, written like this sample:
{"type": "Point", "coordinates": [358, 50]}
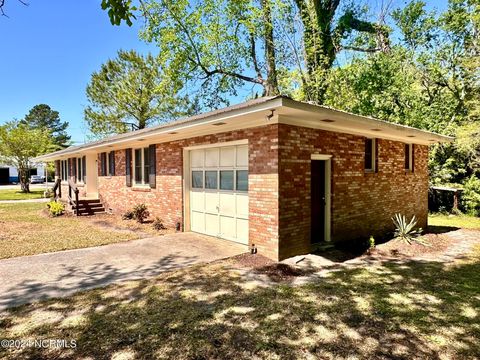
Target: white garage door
{"type": "Point", "coordinates": [219, 192]}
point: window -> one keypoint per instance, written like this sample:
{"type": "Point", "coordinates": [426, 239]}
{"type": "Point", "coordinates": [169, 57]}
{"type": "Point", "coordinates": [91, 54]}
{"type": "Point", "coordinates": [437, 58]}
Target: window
{"type": "Point", "coordinates": [370, 155]}
{"type": "Point", "coordinates": [111, 163]}
{"type": "Point", "coordinates": [103, 164]}
{"type": "Point", "coordinates": [242, 180]}
{"type": "Point", "coordinates": [197, 179]}
{"type": "Point", "coordinates": [409, 157]}
{"type": "Point", "coordinates": [226, 180]}
{"type": "Point", "coordinates": [211, 179]}
{"type": "Point", "coordinates": [141, 166]}
{"type": "Point", "coordinates": [80, 169]}
{"type": "Point", "coordinates": [64, 170]}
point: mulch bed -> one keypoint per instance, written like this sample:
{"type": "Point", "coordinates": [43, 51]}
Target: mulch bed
{"type": "Point", "coordinates": [436, 244]}
{"type": "Point", "coordinates": [277, 272]}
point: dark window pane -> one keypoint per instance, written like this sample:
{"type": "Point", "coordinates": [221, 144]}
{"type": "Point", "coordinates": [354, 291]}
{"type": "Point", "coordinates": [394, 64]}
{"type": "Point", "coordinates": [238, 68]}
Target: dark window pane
{"type": "Point", "coordinates": [226, 180]}
{"type": "Point", "coordinates": [146, 166]}
{"type": "Point", "coordinates": [197, 179]}
{"type": "Point", "coordinates": [79, 170]}
{"type": "Point", "coordinates": [211, 180]}
{"type": "Point", "coordinates": [368, 154]}
{"type": "Point", "coordinates": [407, 156]}
{"type": "Point", "coordinates": [242, 180]}
{"type": "Point", "coordinates": [138, 166]}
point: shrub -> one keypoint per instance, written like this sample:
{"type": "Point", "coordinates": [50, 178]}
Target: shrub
{"type": "Point", "coordinates": [128, 215]}
{"type": "Point", "coordinates": [48, 193]}
{"type": "Point", "coordinates": [470, 196]}
{"type": "Point", "coordinates": [55, 208]}
{"type": "Point", "coordinates": [371, 242]}
{"type": "Point", "coordinates": [406, 231]}
{"type": "Point", "coordinates": [140, 213]}
{"type": "Point", "coordinates": [158, 224]}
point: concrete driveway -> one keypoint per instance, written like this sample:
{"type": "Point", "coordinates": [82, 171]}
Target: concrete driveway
{"type": "Point", "coordinates": [31, 278]}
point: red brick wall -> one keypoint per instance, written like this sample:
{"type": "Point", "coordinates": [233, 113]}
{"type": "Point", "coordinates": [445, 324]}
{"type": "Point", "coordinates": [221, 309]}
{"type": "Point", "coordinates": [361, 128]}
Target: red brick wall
{"type": "Point", "coordinates": [362, 203]}
{"type": "Point", "coordinates": [166, 200]}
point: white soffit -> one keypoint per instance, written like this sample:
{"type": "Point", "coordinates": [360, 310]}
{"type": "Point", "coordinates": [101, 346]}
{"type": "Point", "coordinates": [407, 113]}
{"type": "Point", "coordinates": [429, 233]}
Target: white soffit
{"type": "Point", "coordinates": [252, 114]}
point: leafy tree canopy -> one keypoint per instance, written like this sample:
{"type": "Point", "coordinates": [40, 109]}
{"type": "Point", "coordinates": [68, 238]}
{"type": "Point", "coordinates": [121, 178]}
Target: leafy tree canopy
{"type": "Point", "coordinates": [131, 91]}
{"type": "Point", "coordinates": [19, 144]}
{"type": "Point", "coordinates": [43, 117]}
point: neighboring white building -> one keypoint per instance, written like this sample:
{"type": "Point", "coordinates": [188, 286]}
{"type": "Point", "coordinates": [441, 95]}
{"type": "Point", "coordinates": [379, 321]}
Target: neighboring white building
{"type": "Point", "coordinates": [9, 174]}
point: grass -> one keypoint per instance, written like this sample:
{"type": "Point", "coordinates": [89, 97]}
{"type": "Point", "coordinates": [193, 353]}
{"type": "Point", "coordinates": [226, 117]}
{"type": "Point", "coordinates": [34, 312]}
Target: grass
{"type": "Point", "coordinates": [458, 221]}
{"type": "Point", "coordinates": [13, 194]}
{"type": "Point", "coordinates": [389, 310]}
{"type": "Point", "coordinates": [25, 230]}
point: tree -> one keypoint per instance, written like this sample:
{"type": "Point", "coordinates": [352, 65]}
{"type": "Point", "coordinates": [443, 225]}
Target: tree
{"type": "Point", "coordinates": [19, 144]}
{"type": "Point", "coordinates": [219, 46]}
{"type": "Point", "coordinates": [43, 117]}
{"type": "Point", "coordinates": [131, 91]}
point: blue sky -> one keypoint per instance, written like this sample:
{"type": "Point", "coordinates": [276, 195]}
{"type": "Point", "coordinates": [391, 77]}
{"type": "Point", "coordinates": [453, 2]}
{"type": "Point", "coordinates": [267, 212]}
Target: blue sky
{"type": "Point", "coordinates": [50, 48]}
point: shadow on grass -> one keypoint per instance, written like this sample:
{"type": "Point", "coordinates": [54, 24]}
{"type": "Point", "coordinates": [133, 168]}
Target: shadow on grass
{"type": "Point", "coordinates": [438, 229]}
{"type": "Point", "coordinates": [398, 310]}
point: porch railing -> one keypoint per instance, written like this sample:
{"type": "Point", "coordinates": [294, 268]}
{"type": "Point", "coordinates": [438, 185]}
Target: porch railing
{"type": "Point", "coordinates": [57, 189]}
{"type": "Point", "coordinates": [73, 200]}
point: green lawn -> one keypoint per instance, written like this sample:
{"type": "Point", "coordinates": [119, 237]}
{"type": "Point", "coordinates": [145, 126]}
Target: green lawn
{"type": "Point", "coordinates": [459, 221]}
{"type": "Point", "coordinates": [13, 194]}
{"type": "Point", "coordinates": [422, 310]}
{"type": "Point", "coordinates": [26, 230]}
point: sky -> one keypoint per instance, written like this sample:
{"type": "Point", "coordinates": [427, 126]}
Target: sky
{"type": "Point", "coordinates": [49, 49]}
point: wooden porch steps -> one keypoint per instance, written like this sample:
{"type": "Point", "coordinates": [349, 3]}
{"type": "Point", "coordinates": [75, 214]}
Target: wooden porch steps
{"type": "Point", "coordinates": [88, 207]}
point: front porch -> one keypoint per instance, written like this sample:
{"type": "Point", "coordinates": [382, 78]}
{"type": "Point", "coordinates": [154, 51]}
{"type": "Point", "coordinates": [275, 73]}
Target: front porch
{"type": "Point", "coordinates": [76, 201]}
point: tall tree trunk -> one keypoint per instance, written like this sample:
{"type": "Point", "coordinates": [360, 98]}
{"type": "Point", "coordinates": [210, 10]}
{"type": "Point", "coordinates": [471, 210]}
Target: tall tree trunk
{"type": "Point", "coordinates": [24, 180]}
{"type": "Point", "coordinates": [271, 86]}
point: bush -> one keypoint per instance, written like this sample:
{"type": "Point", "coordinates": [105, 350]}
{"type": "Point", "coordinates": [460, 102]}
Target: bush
{"type": "Point", "coordinates": [470, 196]}
{"type": "Point", "coordinates": [48, 193]}
{"type": "Point", "coordinates": [128, 215]}
{"type": "Point", "coordinates": [55, 208]}
{"type": "Point", "coordinates": [406, 231]}
{"type": "Point", "coordinates": [140, 213]}
{"type": "Point", "coordinates": [158, 224]}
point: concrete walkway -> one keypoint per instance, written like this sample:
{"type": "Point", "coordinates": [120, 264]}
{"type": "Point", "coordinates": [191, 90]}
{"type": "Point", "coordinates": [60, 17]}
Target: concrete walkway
{"type": "Point", "coordinates": [24, 201]}
{"type": "Point", "coordinates": [37, 277]}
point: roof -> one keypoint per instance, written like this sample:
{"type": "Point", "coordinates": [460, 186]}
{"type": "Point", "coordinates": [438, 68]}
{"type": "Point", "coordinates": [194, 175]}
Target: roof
{"type": "Point", "coordinates": [256, 112]}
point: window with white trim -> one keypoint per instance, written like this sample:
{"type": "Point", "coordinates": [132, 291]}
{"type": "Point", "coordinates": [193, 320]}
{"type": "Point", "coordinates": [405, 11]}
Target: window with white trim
{"type": "Point", "coordinates": [409, 157]}
{"type": "Point", "coordinates": [370, 154]}
{"type": "Point", "coordinates": [141, 166]}
{"type": "Point", "coordinates": [64, 170]}
{"type": "Point", "coordinates": [80, 167]}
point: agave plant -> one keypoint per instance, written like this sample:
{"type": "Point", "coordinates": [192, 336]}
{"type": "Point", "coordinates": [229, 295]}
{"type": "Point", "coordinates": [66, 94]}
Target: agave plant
{"type": "Point", "coordinates": [406, 231]}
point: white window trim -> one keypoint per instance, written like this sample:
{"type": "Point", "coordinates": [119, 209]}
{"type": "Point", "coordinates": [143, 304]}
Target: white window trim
{"type": "Point", "coordinates": [374, 155]}
{"type": "Point", "coordinates": [410, 158]}
{"type": "Point", "coordinates": [79, 178]}
{"type": "Point", "coordinates": [64, 170]}
{"type": "Point", "coordinates": [145, 182]}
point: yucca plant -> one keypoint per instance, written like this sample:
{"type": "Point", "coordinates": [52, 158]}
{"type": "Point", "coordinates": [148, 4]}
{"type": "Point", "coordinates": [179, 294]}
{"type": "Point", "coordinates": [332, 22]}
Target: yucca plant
{"type": "Point", "coordinates": [406, 231]}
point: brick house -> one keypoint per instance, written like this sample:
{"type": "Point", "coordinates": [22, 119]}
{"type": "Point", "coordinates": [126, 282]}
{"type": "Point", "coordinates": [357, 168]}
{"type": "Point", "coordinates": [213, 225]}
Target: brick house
{"type": "Point", "coordinates": [273, 173]}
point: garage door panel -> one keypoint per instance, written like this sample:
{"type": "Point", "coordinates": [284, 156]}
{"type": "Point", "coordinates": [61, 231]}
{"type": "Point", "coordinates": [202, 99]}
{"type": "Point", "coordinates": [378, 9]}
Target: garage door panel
{"type": "Point", "coordinates": [197, 158]}
{"type": "Point", "coordinates": [227, 156]}
{"type": "Point", "coordinates": [227, 204]}
{"type": "Point", "coordinates": [242, 155]}
{"type": "Point", "coordinates": [211, 224]}
{"type": "Point", "coordinates": [197, 200]}
{"type": "Point", "coordinates": [211, 157]}
{"type": "Point", "coordinates": [228, 228]}
{"type": "Point", "coordinates": [242, 231]}
{"type": "Point", "coordinates": [242, 205]}
{"type": "Point", "coordinates": [211, 202]}
{"type": "Point", "coordinates": [198, 221]}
